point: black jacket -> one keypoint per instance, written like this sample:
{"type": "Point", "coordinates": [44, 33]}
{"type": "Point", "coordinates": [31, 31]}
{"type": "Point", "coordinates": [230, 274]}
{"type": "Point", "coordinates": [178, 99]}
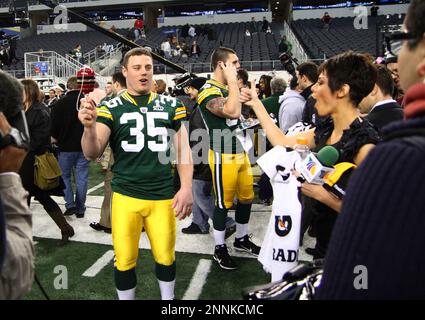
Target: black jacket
{"type": "Point", "coordinates": [66, 127]}
{"type": "Point", "coordinates": [201, 171]}
{"type": "Point", "coordinates": [310, 114]}
{"type": "Point", "coordinates": [384, 114]}
{"type": "Point", "coordinates": [38, 120]}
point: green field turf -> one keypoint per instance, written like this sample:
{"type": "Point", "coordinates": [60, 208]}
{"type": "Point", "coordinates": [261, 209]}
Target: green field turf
{"type": "Point", "coordinates": [78, 257]}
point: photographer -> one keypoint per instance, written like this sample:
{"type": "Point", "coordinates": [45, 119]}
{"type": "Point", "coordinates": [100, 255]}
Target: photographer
{"type": "Point", "coordinates": [16, 248]}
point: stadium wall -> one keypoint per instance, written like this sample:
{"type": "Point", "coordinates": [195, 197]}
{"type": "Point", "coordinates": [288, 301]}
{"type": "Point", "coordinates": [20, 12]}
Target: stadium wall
{"type": "Point", "coordinates": [346, 12]}
{"type": "Point", "coordinates": [214, 19]}
{"type": "Point", "coordinates": [73, 27]}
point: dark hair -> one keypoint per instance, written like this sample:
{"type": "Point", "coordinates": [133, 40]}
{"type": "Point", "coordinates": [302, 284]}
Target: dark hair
{"type": "Point", "coordinates": [293, 83]}
{"type": "Point", "coordinates": [415, 21]}
{"type": "Point", "coordinates": [220, 54]}
{"type": "Point", "coordinates": [32, 91]}
{"type": "Point", "coordinates": [242, 74]}
{"type": "Point", "coordinates": [119, 77]}
{"type": "Point", "coordinates": [310, 70]}
{"type": "Point", "coordinates": [385, 80]}
{"type": "Point", "coordinates": [72, 83]}
{"type": "Point", "coordinates": [354, 69]}
{"type": "Point", "coordinates": [10, 96]}
{"type": "Point", "coordinates": [135, 52]}
{"type": "Point", "coordinates": [267, 79]}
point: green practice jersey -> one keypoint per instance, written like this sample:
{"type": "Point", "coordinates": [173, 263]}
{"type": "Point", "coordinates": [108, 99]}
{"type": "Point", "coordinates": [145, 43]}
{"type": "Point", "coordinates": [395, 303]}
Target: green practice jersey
{"type": "Point", "coordinates": [222, 131]}
{"type": "Point", "coordinates": [140, 143]}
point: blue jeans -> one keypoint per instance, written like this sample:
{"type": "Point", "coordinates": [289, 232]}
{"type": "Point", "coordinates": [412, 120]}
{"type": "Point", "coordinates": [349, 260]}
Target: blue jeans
{"type": "Point", "coordinates": [203, 205]}
{"type": "Point", "coordinates": [76, 161]}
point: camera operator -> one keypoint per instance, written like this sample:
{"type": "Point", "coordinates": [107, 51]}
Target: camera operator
{"type": "Point", "coordinates": [16, 247]}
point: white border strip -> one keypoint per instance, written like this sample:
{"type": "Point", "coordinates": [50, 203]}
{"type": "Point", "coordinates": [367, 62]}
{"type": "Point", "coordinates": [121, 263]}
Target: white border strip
{"type": "Point", "coordinates": [198, 280]}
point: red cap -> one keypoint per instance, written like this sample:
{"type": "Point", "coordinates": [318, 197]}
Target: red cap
{"type": "Point", "coordinates": [86, 79]}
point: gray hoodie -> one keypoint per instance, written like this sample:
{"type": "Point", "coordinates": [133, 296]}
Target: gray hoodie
{"type": "Point", "coordinates": [291, 109]}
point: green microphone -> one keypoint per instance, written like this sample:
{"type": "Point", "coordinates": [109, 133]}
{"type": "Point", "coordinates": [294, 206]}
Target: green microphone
{"type": "Point", "coordinates": [328, 156]}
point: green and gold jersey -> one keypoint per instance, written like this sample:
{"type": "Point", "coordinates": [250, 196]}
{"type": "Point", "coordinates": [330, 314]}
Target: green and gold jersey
{"type": "Point", "coordinates": [222, 131]}
{"type": "Point", "coordinates": [140, 142]}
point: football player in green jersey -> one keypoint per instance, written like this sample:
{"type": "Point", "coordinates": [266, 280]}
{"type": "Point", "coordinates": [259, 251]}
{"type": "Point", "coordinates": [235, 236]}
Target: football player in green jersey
{"type": "Point", "coordinates": [220, 108]}
{"type": "Point", "coordinates": [137, 124]}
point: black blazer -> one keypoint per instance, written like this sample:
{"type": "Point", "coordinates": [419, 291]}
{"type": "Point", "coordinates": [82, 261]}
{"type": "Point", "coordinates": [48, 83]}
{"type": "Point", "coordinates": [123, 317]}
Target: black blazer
{"type": "Point", "coordinates": [384, 114]}
{"type": "Point", "coordinates": [66, 127]}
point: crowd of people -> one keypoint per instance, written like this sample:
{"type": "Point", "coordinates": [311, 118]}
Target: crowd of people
{"type": "Point", "coordinates": [372, 114]}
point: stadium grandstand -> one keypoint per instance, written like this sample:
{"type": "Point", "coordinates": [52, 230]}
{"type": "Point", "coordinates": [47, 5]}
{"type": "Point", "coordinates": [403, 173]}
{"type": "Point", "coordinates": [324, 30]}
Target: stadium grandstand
{"type": "Point", "coordinates": [281, 44]}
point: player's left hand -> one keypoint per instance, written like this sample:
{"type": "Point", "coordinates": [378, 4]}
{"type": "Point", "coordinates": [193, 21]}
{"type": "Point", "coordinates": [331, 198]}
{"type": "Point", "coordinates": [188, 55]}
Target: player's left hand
{"type": "Point", "coordinates": [182, 203]}
{"type": "Point", "coordinates": [314, 191]}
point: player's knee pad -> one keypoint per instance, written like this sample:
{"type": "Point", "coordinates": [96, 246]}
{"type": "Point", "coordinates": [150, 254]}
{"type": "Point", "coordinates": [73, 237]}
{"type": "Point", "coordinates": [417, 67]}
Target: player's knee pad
{"type": "Point", "coordinates": [165, 272]}
{"type": "Point", "coordinates": [125, 280]}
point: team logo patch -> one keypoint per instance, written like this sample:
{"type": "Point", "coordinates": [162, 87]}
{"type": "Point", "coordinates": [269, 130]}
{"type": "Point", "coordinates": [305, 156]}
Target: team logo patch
{"type": "Point", "coordinates": [311, 166]}
{"type": "Point", "coordinates": [283, 225]}
{"type": "Point", "coordinates": [144, 110]}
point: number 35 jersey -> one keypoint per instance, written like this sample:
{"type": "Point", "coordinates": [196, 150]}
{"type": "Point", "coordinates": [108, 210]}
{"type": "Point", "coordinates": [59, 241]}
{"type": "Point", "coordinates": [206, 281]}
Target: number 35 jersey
{"type": "Point", "coordinates": [141, 129]}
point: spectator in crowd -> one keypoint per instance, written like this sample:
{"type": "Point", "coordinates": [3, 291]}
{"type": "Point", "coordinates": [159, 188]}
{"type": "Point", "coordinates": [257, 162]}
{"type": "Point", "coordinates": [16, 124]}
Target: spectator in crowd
{"type": "Point", "coordinates": [183, 49]}
{"type": "Point", "coordinates": [118, 87]}
{"type": "Point", "coordinates": [38, 119]}
{"type": "Point", "coordinates": [67, 131]}
{"type": "Point", "coordinates": [381, 224]}
{"type": "Point", "coordinates": [77, 54]}
{"type": "Point", "coordinates": [195, 50]}
{"type": "Point", "coordinates": [166, 48]}
{"type": "Point", "coordinates": [138, 24]}
{"type": "Point", "coordinates": [161, 86]}
{"type": "Point", "coordinates": [374, 10]}
{"type": "Point", "coordinates": [242, 77]}
{"type": "Point", "coordinates": [285, 45]}
{"type": "Point", "coordinates": [52, 98]}
{"type": "Point", "coordinates": [13, 43]}
{"type": "Point", "coordinates": [326, 20]}
{"type": "Point", "coordinates": [97, 94]}
{"type": "Point", "coordinates": [264, 86]}
{"type": "Point", "coordinates": [16, 237]}
{"type": "Point", "coordinates": [247, 33]}
{"type": "Point", "coordinates": [60, 90]}
{"type": "Point", "coordinates": [272, 105]}
{"type": "Point", "coordinates": [203, 201]}
{"type": "Point", "coordinates": [291, 106]}
{"type": "Point", "coordinates": [307, 74]}
{"type": "Point", "coordinates": [343, 82]}
{"type": "Point", "coordinates": [379, 106]}
{"type": "Point", "coordinates": [253, 26]}
{"type": "Point", "coordinates": [266, 25]}
{"type": "Point", "coordinates": [191, 32]}
{"type": "Point", "coordinates": [109, 91]}
{"type": "Point", "coordinates": [392, 64]}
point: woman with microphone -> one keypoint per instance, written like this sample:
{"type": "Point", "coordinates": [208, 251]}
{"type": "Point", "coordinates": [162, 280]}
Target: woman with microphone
{"type": "Point", "coordinates": [344, 81]}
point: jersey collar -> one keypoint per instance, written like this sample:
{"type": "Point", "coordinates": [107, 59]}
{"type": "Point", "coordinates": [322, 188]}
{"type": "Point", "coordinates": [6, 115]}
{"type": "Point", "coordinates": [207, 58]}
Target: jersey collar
{"type": "Point", "coordinates": [125, 95]}
{"type": "Point", "coordinates": [218, 84]}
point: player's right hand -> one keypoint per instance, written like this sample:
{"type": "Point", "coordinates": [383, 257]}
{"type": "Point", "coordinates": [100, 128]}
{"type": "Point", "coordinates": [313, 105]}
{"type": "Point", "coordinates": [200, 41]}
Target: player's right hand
{"type": "Point", "coordinates": [87, 113]}
{"type": "Point", "coordinates": [229, 71]}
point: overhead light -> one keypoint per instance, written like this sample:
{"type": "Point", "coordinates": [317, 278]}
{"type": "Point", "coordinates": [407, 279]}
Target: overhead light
{"type": "Point", "coordinates": [276, 8]}
{"type": "Point", "coordinates": [278, 2]}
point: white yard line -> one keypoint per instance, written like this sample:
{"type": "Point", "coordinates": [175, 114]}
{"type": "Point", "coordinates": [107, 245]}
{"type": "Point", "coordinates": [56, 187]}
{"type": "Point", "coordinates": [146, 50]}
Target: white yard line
{"type": "Point", "coordinates": [99, 264]}
{"type": "Point", "coordinates": [198, 280]}
{"type": "Point", "coordinates": [100, 185]}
